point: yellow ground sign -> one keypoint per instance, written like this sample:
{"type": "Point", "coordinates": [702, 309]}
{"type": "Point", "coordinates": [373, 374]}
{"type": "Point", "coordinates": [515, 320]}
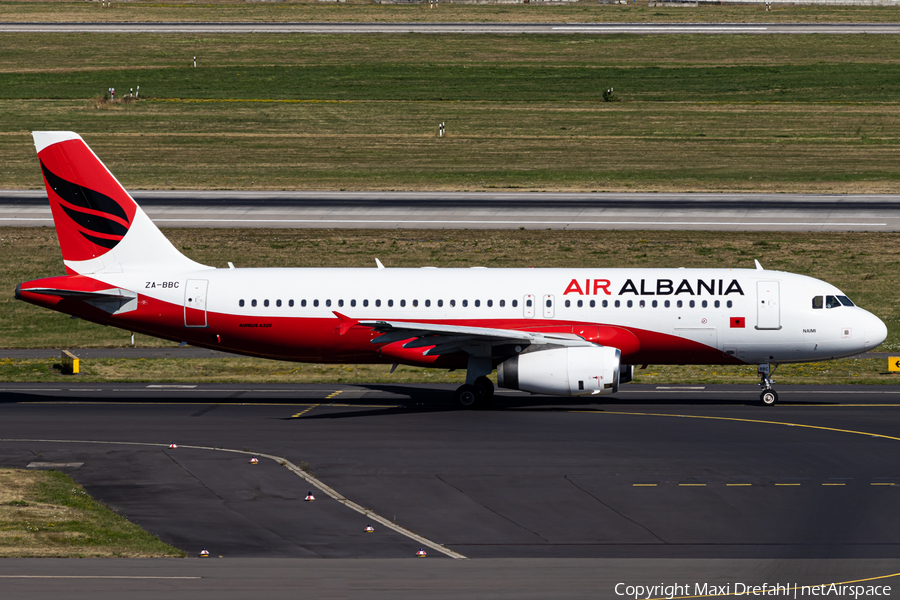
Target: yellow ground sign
{"type": "Point", "coordinates": [894, 364]}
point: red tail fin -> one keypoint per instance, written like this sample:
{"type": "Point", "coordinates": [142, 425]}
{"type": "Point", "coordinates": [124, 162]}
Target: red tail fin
{"type": "Point", "coordinates": [92, 211]}
{"type": "Point", "coordinates": [99, 225]}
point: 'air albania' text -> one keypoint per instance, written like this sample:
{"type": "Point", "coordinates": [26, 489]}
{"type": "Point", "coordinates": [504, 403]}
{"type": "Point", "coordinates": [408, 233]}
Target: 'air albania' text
{"type": "Point", "coordinates": [659, 287]}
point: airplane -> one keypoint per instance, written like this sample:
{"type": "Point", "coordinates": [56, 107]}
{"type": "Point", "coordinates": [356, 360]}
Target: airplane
{"type": "Point", "coordinates": [559, 331]}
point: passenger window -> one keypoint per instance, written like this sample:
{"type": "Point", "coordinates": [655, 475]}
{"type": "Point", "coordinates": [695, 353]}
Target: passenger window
{"type": "Point", "coordinates": [693, 304]}
{"type": "Point", "coordinates": [643, 304]}
{"type": "Point", "coordinates": [316, 303]}
{"type": "Point", "coordinates": [253, 303]}
{"type": "Point", "coordinates": [278, 303]}
{"type": "Point", "coordinates": [353, 303]}
{"type": "Point", "coordinates": [704, 304]}
{"type": "Point", "coordinates": [549, 303]}
{"type": "Point", "coordinates": [427, 303]}
{"type": "Point", "coordinates": [465, 303]}
{"type": "Point", "coordinates": [303, 303]}
{"type": "Point", "coordinates": [291, 303]}
{"type": "Point", "coordinates": [415, 303]}
{"type": "Point", "coordinates": [378, 303]}
{"type": "Point", "coordinates": [568, 303]}
{"type": "Point", "coordinates": [717, 304]}
{"type": "Point", "coordinates": [630, 304]}
{"type": "Point", "coordinates": [580, 303]}
{"type": "Point", "coordinates": [490, 303]}
{"type": "Point", "coordinates": [593, 303]}
{"type": "Point", "coordinates": [366, 302]}
{"type": "Point", "coordinates": [440, 303]}
{"type": "Point", "coordinates": [403, 303]}
{"type": "Point", "coordinates": [240, 302]}
{"type": "Point", "coordinates": [452, 303]}
{"type": "Point", "coordinates": [341, 303]}
{"type": "Point", "coordinates": [515, 303]}
{"type": "Point", "coordinates": [605, 303]}
{"type": "Point", "coordinates": [266, 303]}
{"type": "Point", "coordinates": [729, 304]}
{"type": "Point", "coordinates": [831, 302]}
{"type": "Point", "coordinates": [502, 303]}
{"type": "Point", "coordinates": [477, 303]}
{"type": "Point", "coordinates": [390, 303]}
{"type": "Point", "coordinates": [845, 301]}
{"type": "Point", "coordinates": [655, 304]}
{"type": "Point", "coordinates": [817, 302]}
{"type": "Point", "coordinates": [528, 303]}
{"type": "Point", "coordinates": [679, 304]}
{"type": "Point", "coordinates": [668, 304]}
{"type": "Point", "coordinates": [618, 304]}
{"type": "Point", "coordinates": [328, 303]}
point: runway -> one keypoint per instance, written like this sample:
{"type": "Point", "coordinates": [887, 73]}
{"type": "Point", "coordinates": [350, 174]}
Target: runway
{"type": "Point", "coordinates": [541, 495]}
{"type": "Point", "coordinates": [467, 28]}
{"type": "Point", "coordinates": [477, 210]}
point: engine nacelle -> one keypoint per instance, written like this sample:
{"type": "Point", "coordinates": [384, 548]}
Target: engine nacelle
{"type": "Point", "coordinates": [570, 371]}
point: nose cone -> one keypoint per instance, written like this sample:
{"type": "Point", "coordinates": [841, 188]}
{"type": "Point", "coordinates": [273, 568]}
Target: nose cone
{"type": "Point", "coordinates": [876, 331]}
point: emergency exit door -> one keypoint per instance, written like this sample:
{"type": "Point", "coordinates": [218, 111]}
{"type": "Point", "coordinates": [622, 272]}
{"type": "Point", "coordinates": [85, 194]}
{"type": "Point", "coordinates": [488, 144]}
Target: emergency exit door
{"type": "Point", "coordinates": [528, 306]}
{"type": "Point", "coordinates": [768, 309]}
{"type": "Point", "coordinates": [195, 303]}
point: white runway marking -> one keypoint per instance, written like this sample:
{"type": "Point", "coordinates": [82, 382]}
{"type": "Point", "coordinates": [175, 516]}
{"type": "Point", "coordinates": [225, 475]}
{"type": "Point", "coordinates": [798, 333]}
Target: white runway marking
{"type": "Point", "coordinates": [676, 28]}
{"type": "Point", "coordinates": [91, 577]}
{"type": "Point", "coordinates": [484, 222]}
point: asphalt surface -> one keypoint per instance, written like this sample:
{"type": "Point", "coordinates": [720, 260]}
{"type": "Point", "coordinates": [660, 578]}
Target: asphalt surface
{"type": "Point", "coordinates": [678, 483]}
{"type": "Point", "coordinates": [474, 28]}
{"type": "Point", "coordinates": [476, 210]}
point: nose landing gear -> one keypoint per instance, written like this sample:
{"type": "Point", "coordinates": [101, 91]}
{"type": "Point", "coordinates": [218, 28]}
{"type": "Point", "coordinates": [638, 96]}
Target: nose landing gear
{"type": "Point", "coordinates": [769, 396]}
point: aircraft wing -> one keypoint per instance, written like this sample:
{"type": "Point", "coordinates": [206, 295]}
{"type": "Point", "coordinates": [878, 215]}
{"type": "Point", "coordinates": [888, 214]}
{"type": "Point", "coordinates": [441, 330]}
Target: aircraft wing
{"type": "Point", "coordinates": [455, 338]}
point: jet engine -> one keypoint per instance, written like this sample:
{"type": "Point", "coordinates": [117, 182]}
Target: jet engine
{"type": "Point", "coordinates": [569, 371]}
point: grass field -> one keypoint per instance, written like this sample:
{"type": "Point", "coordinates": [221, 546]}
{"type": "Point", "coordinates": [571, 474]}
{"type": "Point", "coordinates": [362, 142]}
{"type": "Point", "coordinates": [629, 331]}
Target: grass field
{"type": "Point", "coordinates": [782, 113]}
{"type": "Point", "coordinates": [585, 11]}
{"type": "Point", "coordinates": [46, 514]}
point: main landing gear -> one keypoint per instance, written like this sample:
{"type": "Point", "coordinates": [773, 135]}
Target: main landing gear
{"type": "Point", "coordinates": [768, 396]}
{"type": "Point", "coordinates": [478, 388]}
{"type": "Point", "coordinates": [474, 395]}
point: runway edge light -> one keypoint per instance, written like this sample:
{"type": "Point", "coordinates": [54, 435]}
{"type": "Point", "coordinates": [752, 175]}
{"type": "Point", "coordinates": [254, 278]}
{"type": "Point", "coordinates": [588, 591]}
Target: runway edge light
{"type": "Point", "coordinates": [204, 553]}
{"type": "Point", "coordinates": [421, 553]}
{"type": "Point", "coordinates": [254, 461]}
{"type": "Point", "coordinates": [310, 497]}
{"type": "Point", "coordinates": [370, 529]}
{"type": "Point", "coordinates": [173, 445]}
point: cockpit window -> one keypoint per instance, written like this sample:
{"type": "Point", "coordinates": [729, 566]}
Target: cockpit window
{"type": "Point", "coordinates": [845, 301]}
{"type": "Point", "coordinates": [817, 301]}
{"type": "Point", "coordinates": [832, 302]}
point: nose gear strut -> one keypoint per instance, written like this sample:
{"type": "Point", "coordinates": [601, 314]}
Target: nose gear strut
{"type": "Point", "coordinates": [769, 396]}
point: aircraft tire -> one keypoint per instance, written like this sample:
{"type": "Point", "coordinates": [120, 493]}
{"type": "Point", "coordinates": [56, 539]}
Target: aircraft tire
{"type": "Point", "coordinates": [484, 387]}
{"type": "Point", "coordinates": [467, 397]}
{"type": "Point", "coordinates": [768, 398]}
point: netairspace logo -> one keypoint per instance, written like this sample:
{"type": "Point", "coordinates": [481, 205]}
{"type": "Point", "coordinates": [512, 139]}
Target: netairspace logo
{"type": "Point", "coordinates": [777, 590]}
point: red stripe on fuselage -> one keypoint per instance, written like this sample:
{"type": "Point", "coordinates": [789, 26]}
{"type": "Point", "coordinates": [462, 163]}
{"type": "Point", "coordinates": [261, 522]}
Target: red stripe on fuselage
{"type": "Point", "coordinates": [317, 339]}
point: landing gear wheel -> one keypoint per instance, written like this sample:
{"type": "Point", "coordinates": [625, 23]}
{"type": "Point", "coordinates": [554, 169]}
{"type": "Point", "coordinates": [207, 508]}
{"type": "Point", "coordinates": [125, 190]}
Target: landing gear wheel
{"type": "Point", "coordinates": [484, 387]}
{"type": "Point", "coordinates": [768, 397]}
{"type": "Point", "coordinates": [466, 397]}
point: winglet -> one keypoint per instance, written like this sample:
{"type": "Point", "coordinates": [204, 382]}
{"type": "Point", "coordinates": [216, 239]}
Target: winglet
{"type": "Point", "coordinates": [345, 322]}
{"type": "Point", "coordinates": [759, 267]}
{"type": "Point", "coordinates": [378, 264]}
